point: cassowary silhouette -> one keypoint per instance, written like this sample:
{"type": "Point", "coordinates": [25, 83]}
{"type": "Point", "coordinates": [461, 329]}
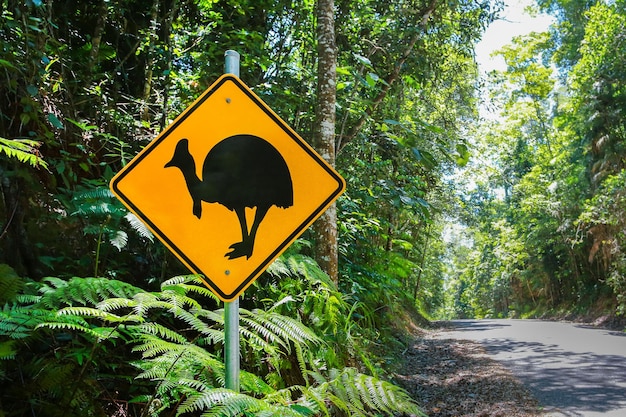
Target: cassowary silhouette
{"type": "Point", "coordinates": [240, 171]}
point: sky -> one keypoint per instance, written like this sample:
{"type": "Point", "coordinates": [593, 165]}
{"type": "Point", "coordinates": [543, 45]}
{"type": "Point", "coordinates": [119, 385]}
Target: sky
{"type": "Point", "coordinates": [513, 22]}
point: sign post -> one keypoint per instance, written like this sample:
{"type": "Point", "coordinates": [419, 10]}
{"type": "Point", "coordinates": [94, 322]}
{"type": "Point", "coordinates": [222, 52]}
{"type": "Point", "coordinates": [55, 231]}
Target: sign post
{"type": "Point", "coordinates": [231, 308]}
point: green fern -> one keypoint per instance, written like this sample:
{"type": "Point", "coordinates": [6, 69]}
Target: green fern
{"type": "Point", "coordinates": [10, 283]}
{"type": "Point", "coordinates": [343, 391]}
{"type": "Point", "coordinates": [180, 343]}
{"type": "Point", "coordinates": [139, 227]}
{"type": "Point", "coordinates": [24, 150]}
{"type": "Point", "coordinates": [225, 403]}
{"type": "Point", "coordinates": [361, 395]}
{"type": "Point", "coordinates": [57, 292]}
{"type": "Point", "coordinates": [8, 350]}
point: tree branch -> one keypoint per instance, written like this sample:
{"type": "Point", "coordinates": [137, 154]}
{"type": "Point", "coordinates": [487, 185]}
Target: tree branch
{"type": "Point", "coordinates": [389, 80]}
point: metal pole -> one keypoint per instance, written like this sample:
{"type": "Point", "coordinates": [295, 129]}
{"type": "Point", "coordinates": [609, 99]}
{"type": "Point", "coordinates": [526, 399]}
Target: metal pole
{"type": "Point", "coordinates": [231, 309]}
{"type": "Point", "coordinates": [231, 344]}
{"type": "Point", "coordinates": [231, 65]}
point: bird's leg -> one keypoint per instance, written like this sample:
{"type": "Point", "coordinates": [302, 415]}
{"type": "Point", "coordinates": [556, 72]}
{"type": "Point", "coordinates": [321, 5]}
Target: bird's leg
{"type": "Point", "coordinates": [245, 247]}
{"type": "Point", "coordinates": [241, 248]}
{"type": "Point", "coordinates": [258, 218]}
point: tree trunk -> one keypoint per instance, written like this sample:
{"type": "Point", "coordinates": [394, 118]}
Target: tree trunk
{"type": "Point", "coordinates": [167, 29]}
{"type": "Point", "coordinates": [147, 86]}
{"type": "Point", "coordinates": [96, 40]}
{"type": "Point", "coordinates": [325, 228]}
{"type": "Point", "coordinates": [14, 239]}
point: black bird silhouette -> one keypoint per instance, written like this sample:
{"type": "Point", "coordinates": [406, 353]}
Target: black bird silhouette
{"type": "Point", "coordinates": [240, 171]}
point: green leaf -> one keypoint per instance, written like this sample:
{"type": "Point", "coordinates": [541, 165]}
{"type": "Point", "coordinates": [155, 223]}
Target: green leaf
{"type": "Point", "coordinates": [463, 154]}
{"type": "Point", "coordinates": [371, 79]}
{"type": "Point", "coordinates": [32, 90]}
{"type": "Point", "coordinates": [363, 60]}
{"type": "Point", "coordinates": [344, 71]}
{"type": "Point", "coordinates": [425, 158]}
{"type": "Point", "coordinates": [305, 411]}
{"type": "Point", "coordinates": [5, 63]}
{"type": "Point", "coordinates": [55, 122]}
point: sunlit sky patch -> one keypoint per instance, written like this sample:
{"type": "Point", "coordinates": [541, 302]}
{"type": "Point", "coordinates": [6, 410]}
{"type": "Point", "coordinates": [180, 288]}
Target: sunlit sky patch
{"type": "Point", "coordinates": [514, 21]}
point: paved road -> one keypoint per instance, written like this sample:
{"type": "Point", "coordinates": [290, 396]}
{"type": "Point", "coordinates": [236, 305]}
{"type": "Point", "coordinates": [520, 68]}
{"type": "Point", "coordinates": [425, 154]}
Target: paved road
{"type": "Point", "coordinates": [572, 369]}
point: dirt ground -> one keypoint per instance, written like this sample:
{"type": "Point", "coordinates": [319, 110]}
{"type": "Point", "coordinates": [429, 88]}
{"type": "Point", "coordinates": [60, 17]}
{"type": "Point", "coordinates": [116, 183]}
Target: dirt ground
{"type": "Point", "coordinates": [456, 378]}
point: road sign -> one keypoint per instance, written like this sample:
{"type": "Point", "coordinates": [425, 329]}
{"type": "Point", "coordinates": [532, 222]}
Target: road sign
{"type": "Point", "coordinates": [228, 186]}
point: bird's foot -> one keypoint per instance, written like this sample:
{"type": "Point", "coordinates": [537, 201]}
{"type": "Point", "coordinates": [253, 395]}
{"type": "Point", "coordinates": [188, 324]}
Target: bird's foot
{"type": "Point", "coordinates": [239, 249]}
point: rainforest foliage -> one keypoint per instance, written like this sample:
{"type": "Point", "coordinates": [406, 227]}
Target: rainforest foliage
{"type": "Point", "coordinates": [544, 215]}
{"type": "Point", "coordinates": [468, 195]}
{"type": "Point", "coordinates": [98, 318]}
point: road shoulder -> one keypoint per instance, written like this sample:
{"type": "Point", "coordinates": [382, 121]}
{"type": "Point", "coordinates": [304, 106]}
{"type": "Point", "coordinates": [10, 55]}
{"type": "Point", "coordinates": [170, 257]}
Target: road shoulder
{"type": "Point", "coordinates": [457, 378]}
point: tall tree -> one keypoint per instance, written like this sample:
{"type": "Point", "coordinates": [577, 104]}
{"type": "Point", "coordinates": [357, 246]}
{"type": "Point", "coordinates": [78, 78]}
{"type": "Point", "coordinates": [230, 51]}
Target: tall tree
{"type": "Point", "coordinates": [325, 228]}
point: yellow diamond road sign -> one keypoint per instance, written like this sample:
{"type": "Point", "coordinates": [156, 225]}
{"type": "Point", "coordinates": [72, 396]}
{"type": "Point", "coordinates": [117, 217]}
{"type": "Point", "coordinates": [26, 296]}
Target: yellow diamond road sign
{"type": "Point", "coordinates": [228, 186]}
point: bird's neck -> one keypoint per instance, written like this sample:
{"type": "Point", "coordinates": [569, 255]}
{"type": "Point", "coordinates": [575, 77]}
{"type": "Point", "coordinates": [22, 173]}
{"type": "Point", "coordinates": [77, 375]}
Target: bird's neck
{"type": "Point", "coordinates": [189, 172]}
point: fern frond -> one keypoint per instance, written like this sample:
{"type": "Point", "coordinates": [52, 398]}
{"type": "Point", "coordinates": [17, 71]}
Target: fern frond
{"type": "Point", "coordinates": [363, 394]}
{"type": "Point", "coordinates": [83, 290]}
{"type": "Point", "coordinates": [279, 268]}
{"type": "Point", "coordinates": [212, 336]}
{"type": "Point", "coordinates": [205, 400]}
{"type": "Point", "coordinates": [93, 194]}
{"type": "Point", "coordinates": [306, 267]}
{"type": "Point", "coordinates": [190, 283]}
{"type": "Point", "coordinates": [10, 283]}
{"type": "Point", "coordinates": [97, 313]}
{"type": "Point", "coordinates": [152, 346]}
{"type": "Point", "coordinates": [17, 321]}
{"type": "Point", "coordinates": [99, 208]}
{"type": "Point", "coordinates": [216, 316]}
{"type": "Point", "coordinates": [118, 239]}
{"type": "Point", "coordinates": [301, 360]}
{"type": "Point", "coordinates": [111, 304]}
{"type": "Point", "coordinates": [254, 384]}
{"type": "Point", "coordinates": [193, 321]}
{"type": "Point", "coordinates": [180, 279]}
{"type": "Point", "coordinates": [161, 331]}
{"type": "Point", "coordinates": [24, 150]}
{"type": "Point", "coordinates": [139, 227]}
{"type": "Point", "coordinates": [176, 295]}
{"type": "Point", "coordinates": [196, 385]}
{"type": "Point", "coordinates": [28, 298]}
{"type": "Point", "coordinates": [224, 403]}
{"type": "Point", "coordinates": [257, 331]}
{"type": "Point", "coordinates": [279, 328]}
{"type": "Point", "coordinates": [68, 326]}
{"type": "Point", "coordinates": [315, 398]}
{"type": "Point", "coordinates": [7, 350]}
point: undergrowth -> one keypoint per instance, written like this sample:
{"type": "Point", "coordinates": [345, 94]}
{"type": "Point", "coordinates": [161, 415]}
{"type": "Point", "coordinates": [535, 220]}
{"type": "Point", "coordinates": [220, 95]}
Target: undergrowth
{"type": "Point", "coordinates": [96, 346]}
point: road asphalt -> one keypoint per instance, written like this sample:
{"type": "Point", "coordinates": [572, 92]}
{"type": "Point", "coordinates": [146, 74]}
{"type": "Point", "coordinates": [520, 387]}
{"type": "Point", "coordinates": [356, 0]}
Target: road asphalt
{"type": "Point", "coordinates": [572, 369]}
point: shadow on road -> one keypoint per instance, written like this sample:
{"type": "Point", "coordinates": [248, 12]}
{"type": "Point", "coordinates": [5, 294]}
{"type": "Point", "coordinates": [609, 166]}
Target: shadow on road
{"type": "Point", "coordinates": [565, 380]}
{"type": "Point", "coordinates": [608, 332]}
